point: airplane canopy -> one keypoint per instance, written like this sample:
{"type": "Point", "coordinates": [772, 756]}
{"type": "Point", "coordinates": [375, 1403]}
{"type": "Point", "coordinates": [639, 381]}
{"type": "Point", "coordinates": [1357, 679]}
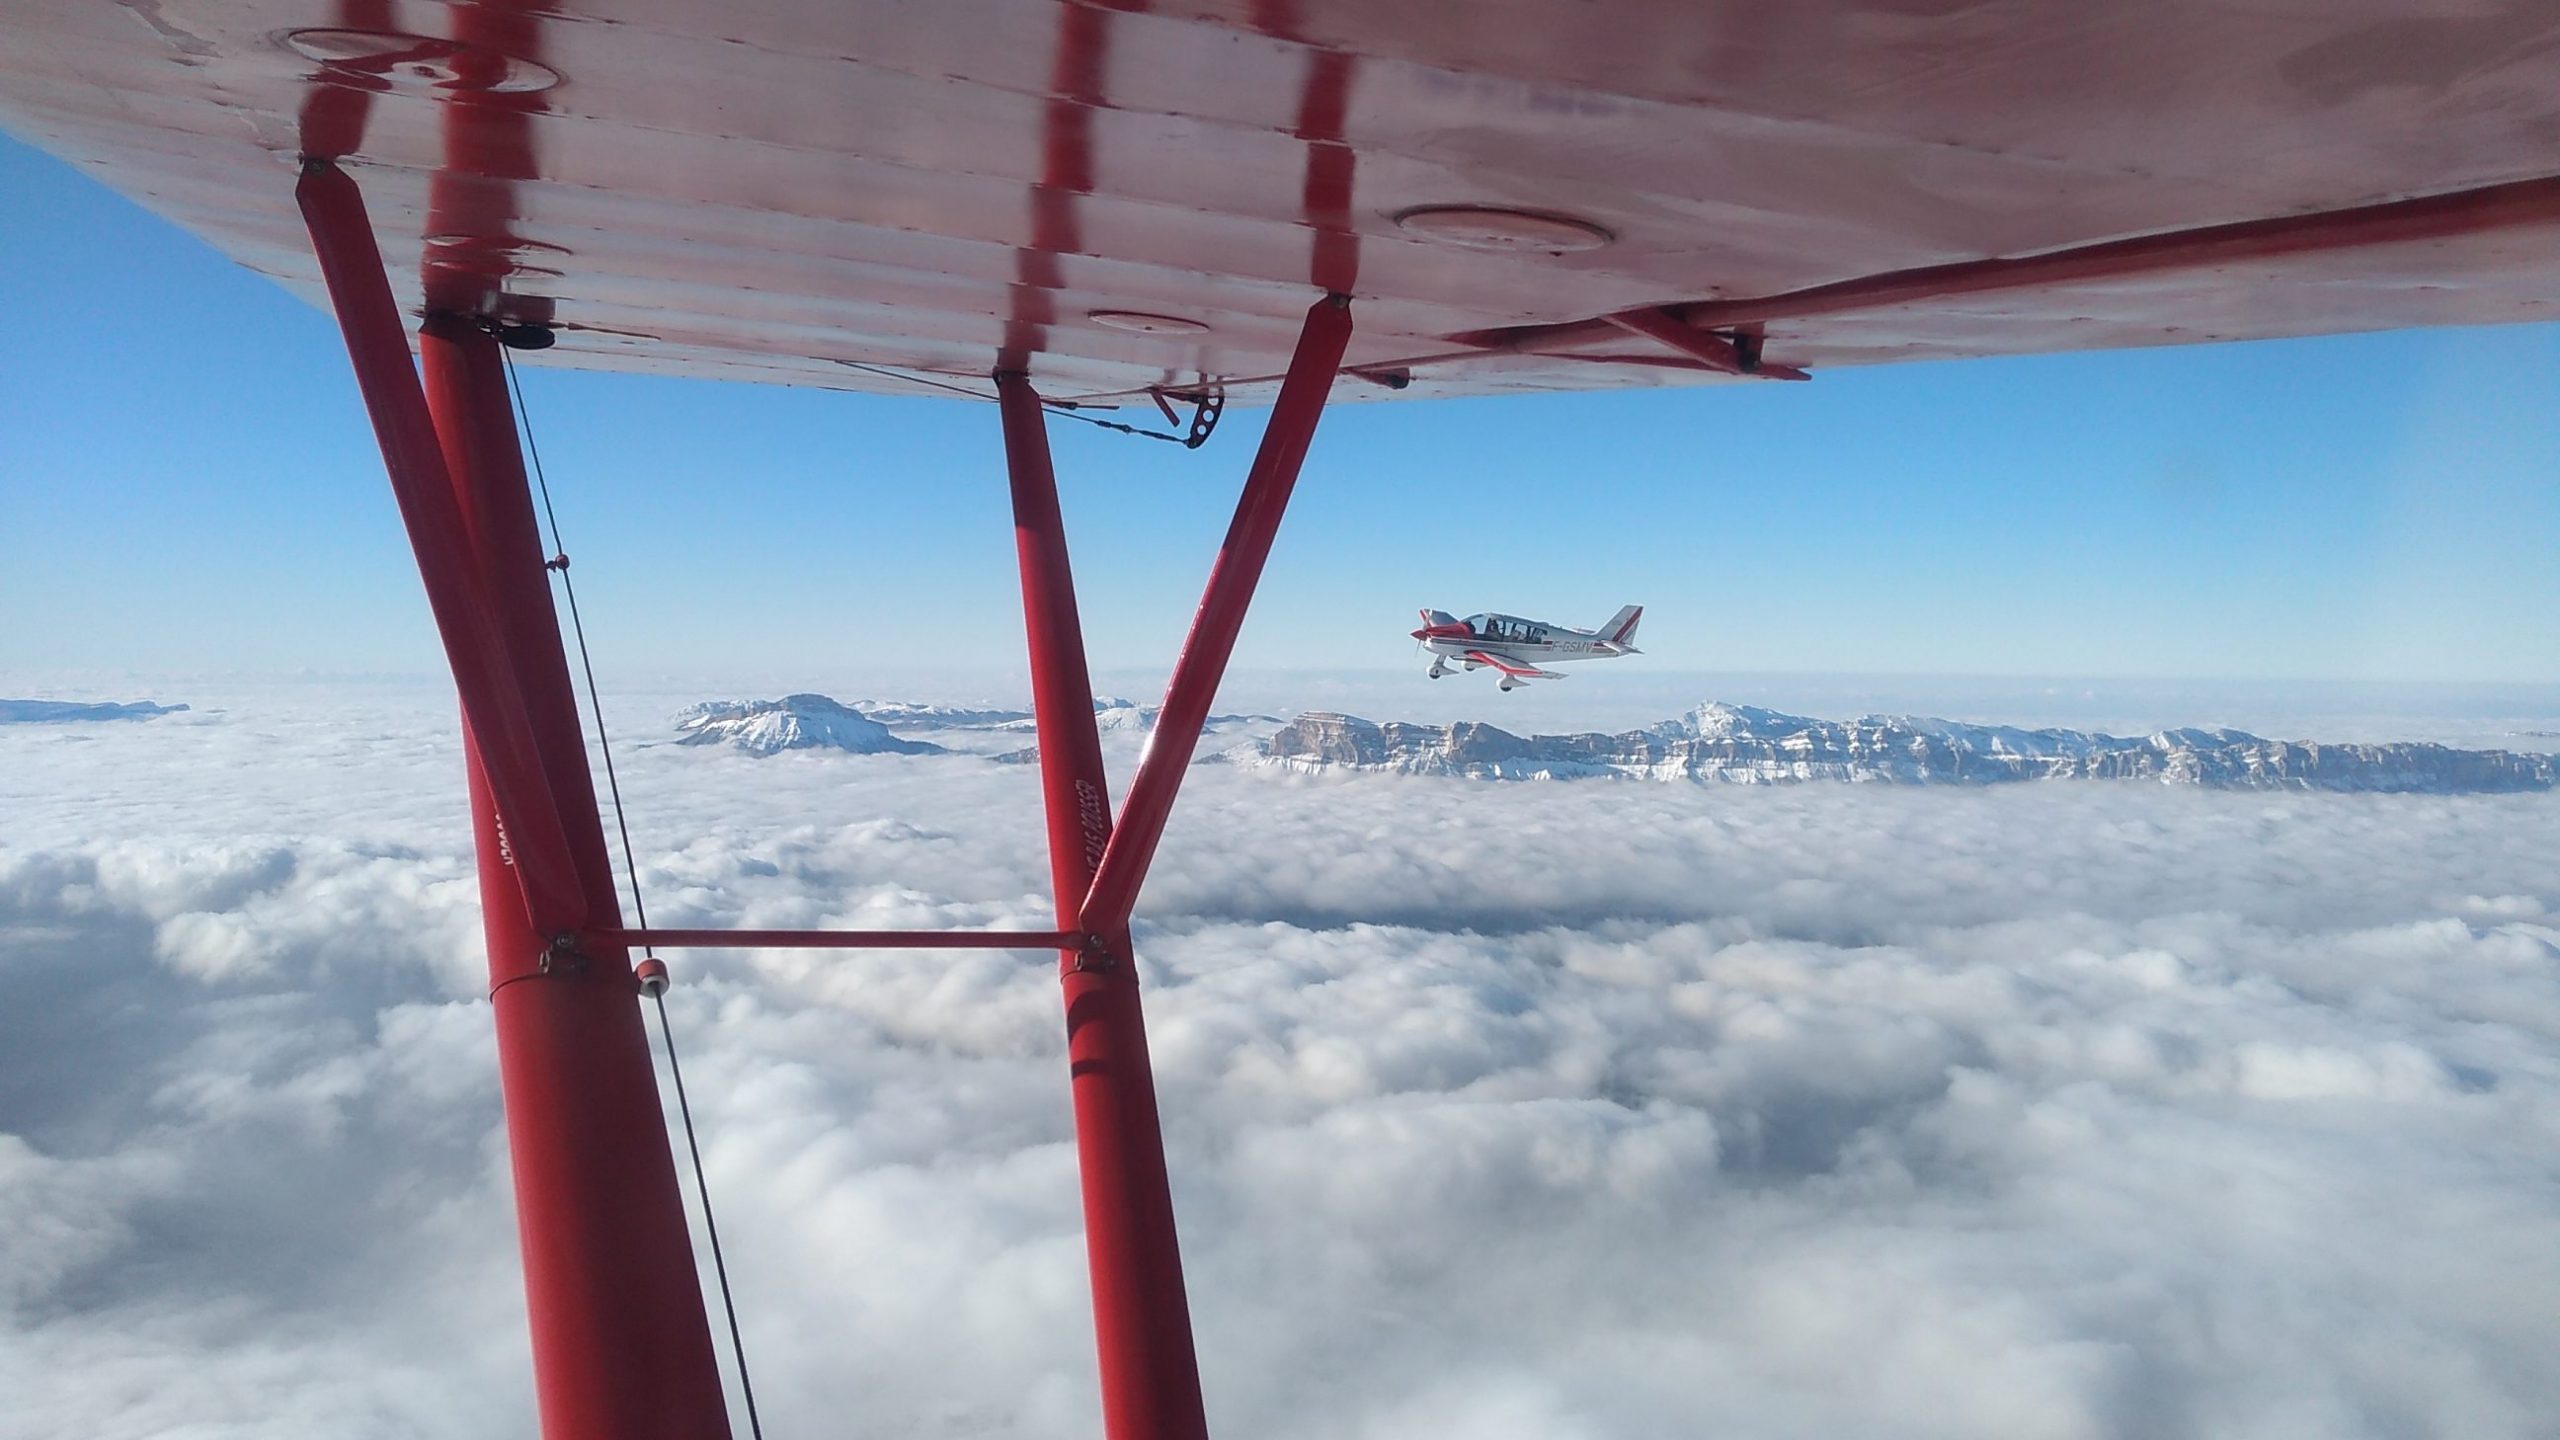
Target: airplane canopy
{"type": "Point", "coordinates": [1131, 196]}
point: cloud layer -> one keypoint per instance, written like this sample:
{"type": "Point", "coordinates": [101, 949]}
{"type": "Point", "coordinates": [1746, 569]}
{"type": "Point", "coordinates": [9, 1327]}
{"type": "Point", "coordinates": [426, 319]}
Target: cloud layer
{"type": "Point", "coordinates": [1498, 1111]}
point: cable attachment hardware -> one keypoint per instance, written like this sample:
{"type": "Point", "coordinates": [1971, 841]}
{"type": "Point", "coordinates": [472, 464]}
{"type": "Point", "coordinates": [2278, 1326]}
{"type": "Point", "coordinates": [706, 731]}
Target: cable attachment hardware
{"type": "Point", "coordinates": [557, 562]}
{"type": "Point", "coordinates": [1206, 406]}
{"type": "Point", "coordinates": [652, 975]}
{"type": "Point", "coordinates": [1206, 403]}
{"type": "Point", "coordinates": [1746, 349]}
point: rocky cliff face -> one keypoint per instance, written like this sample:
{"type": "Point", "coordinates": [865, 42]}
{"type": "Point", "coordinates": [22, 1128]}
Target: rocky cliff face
{"type": "Point", "coordinates": [1744, 745]}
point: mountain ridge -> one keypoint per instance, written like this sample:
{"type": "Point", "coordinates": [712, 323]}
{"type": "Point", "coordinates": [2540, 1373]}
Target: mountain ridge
{"type": "Point", "coordinates": [50, 712]}
{"type": "Point", "coordinates": [1740, 744]}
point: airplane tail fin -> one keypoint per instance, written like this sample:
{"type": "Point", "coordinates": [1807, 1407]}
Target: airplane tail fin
{"type": "Point", "coordinates": [1621, 629]}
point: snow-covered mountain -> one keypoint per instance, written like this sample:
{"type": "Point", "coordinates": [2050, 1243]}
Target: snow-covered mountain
{"type": "Point", "coordinates": [917, 715]}
{"type": "Point", "coordinates": [794, 722]}
{"type": "Point", "coordinates": [47, 712]}
{"type": "Point", "coordinates": [1113, 716]}
{"type": "Point", "coordinates": [1112, 713]}
{"type": "Point", "coordinates": [1743, 744]}
{"type": "Point", "coordinates": [820, 722]}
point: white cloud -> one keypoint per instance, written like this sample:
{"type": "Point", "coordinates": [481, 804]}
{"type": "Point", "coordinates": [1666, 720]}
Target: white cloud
{"type": "Point", "coordinates": [1534, 1110]}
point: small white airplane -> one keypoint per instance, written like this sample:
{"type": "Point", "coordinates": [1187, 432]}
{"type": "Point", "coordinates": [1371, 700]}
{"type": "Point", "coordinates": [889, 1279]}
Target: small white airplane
{"type": "Point", "coordinates": [1510, 644]}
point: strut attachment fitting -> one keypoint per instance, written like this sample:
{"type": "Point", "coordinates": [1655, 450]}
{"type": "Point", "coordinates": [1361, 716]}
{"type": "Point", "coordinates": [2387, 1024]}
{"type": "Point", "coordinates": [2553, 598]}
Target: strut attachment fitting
{"type": "Point", "coordinates": [1093, 955]}
{"type": "Point", "coordinates": [562, 956]}
{"type": "Point", "coordinates": [515, 334]}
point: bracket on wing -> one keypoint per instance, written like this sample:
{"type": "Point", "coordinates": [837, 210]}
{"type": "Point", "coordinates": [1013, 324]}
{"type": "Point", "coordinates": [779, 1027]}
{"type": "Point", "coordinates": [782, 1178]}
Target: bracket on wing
{"type": "Point", "coordinates": [1207, 404]}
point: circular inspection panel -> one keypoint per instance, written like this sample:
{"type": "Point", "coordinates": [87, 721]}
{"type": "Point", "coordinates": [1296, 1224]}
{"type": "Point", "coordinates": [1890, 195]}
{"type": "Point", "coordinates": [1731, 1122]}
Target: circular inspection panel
{"type": "Point", "coordinates": [1502, 229]}
{"type": "Point", "coordinates": [1140, 322]}
{"type": "Point", "coordinates": [421, 62]}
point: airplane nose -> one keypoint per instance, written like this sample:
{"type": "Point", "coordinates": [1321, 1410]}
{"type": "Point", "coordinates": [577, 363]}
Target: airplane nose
{"type": "Point", "coordinates": [1421, 634]}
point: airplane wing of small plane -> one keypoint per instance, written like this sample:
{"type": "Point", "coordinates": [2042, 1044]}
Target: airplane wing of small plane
{"type": "Point", "coordinates": [1112, 198]}
{"type": "Point", "coordinates": [1511, 666]}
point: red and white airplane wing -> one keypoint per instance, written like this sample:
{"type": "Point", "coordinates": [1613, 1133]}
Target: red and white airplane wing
{"type": "Point", "coordinates": [1520, 195]}
{"type": "Point", "coordinates": [1515, 668]}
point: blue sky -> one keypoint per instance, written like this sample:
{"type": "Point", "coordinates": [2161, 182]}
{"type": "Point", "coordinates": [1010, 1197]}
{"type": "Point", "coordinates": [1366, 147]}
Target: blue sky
{"type": "Point", "coordinates": [187, 484]}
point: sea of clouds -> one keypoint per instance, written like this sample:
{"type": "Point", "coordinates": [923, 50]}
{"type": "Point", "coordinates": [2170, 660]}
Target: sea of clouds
{"type": "Point", "coordinates": [1493, 1111]}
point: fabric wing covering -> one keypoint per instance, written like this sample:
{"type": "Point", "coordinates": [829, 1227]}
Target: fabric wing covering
{"type": "Point", "coordinates": [1142, 196]}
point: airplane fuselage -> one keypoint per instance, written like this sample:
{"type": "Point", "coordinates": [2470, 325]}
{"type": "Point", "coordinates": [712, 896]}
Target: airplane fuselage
{"type": "Point", "coordinates": [1520, 648]}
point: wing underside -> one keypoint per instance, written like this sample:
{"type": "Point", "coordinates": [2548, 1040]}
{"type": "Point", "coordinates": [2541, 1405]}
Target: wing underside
{"type": "Point", "coordinates": [1512, 665]}
{"type": "Point", "coordinates": [1519, 194]}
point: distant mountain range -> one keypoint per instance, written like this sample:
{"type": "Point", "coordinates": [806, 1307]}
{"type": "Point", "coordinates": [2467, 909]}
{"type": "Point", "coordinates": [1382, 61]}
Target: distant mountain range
{"type": "Point", "coordinates": [911, 715]}
{"type": "Point", "coordinates": [1742, 744]}
{"type": "Point", "coordinates": [1713, 744]}
{"type": "Point", "coordinates": [1110, 713]}
{"type": "Point", "coordinates": [47, 712]}
{"type": "Point", "coordinates": [866, 727]}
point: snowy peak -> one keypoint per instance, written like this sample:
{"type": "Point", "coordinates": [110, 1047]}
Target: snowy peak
{"type": "Point", "coordinates": [915, 715]}
{"type": "Point", "coordinates": [1742, 744]}
{"type": "Point", "coordinates": [869, 727]}
{"type": "Point", "coordinates": [1110, 712]}
{"type": "Point", "coordinates": [1716, 720]}
{"type": "Point", "coordinates": [794, 722]}
{"type": "Point", "coordinates": [1113, 713]}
